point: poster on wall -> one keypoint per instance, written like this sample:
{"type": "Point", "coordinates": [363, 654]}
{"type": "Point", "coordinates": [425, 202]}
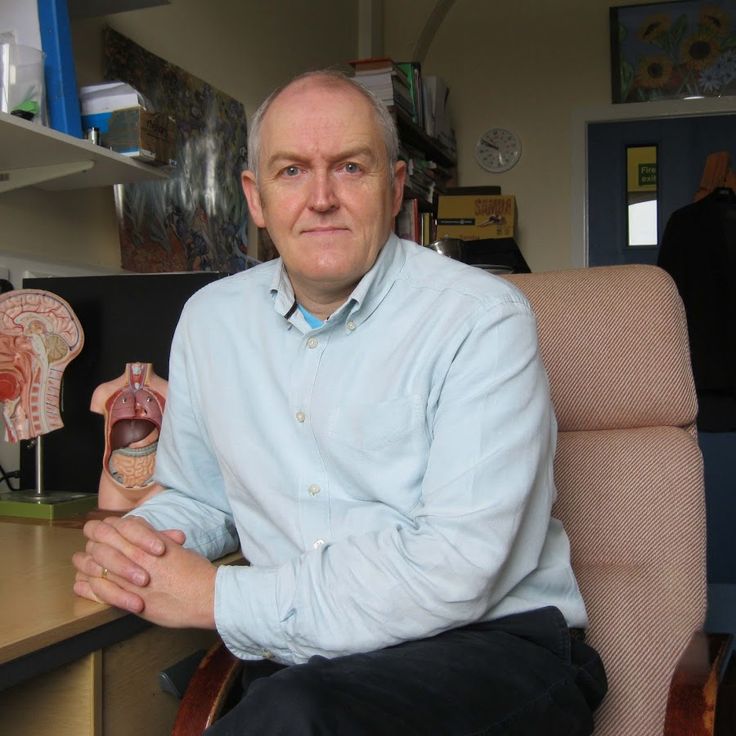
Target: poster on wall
{"type": "Point", "coordinates": [673, 50]}
{"type": "Point", "coordinates": [197, 219]}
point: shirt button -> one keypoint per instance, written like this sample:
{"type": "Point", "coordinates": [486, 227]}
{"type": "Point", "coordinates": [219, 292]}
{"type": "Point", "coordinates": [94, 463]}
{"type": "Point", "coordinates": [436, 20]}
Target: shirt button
{"type": "Point", "coordinates": [312, 342]}
{"type": "Point", "coordinates": [351, 325]}
{"type": "Point", "coordinates": [318, 543]}
{"type": "Point", "coordinates": [266, 654]}
{"type": "Point", "coordinates": [300, 416]}
{"type": "Point", "coordinates": [314, 489]}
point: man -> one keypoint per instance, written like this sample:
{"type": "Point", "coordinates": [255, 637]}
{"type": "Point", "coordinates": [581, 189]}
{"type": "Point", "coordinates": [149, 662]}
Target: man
{"type": "Point", "coordinates": [371, 422]}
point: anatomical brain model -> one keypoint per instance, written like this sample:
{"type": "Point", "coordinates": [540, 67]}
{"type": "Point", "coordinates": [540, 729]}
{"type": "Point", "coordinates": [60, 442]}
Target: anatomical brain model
{"type": "Point", "coordinates": [39, 336]}
{"type": "Point", "coordinates": [133, 406]}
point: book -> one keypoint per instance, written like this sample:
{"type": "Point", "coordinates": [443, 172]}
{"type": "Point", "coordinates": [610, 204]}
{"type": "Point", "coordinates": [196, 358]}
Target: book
{"type": "Point", "coordinates": [476, 216]}
{"type": "Point", "coordinates": [427, 228]}
{"type": "Point", "coordinates": [437, 122]}
{"type": "Point", "coordinates": [371, 64]}
{"type": "Point", "coordinates": [408, 221]}
{"type": "Point", "coordinates": [413, 71]}
{"type": "Point", "coordinates": [60, 73]}
{"type": "Point", "coordinates": [99, 98]}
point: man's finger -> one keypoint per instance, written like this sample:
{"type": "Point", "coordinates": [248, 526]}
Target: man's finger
{"type": "Point", "coordinates": [104, 590]}
{"type": "Point", "coordinates": [175, 535]}
{"type": "Point", "coordinates": [140, 533]}
{"type": "Point", "coordinates": [83, 590]}
{"type": "Point", "coordinates": [108, 591]}
{"type": "Point", "coordinates": [128, 535]}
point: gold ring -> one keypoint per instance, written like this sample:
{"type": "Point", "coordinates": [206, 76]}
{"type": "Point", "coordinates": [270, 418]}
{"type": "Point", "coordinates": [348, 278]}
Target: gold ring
{"type": "Point", "coordinates": [104, 573]}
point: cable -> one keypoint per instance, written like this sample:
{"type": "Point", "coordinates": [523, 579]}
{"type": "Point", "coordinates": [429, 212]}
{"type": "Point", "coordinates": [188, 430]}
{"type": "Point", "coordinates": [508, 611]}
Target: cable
{"type": "Point", "coordinates": [7, 477]}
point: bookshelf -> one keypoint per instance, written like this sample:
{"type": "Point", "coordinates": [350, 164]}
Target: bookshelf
{"type": "Point", "coordinates": [35, 155]}
{"type": "Point", "coordinates": [413, 135]}
{"type": "Point", "coordinates": [427, 141]}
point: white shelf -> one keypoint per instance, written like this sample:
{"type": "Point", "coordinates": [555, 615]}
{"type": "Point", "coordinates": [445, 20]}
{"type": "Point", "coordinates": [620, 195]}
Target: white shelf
{"type": "Point", "coordinates": [24, 146]}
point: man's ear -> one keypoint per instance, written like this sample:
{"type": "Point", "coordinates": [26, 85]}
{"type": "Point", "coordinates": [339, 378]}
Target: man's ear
{"type": "Point", "coordinates": [399, 179]}
{"type": "Point", "coordinates": [253, 197]}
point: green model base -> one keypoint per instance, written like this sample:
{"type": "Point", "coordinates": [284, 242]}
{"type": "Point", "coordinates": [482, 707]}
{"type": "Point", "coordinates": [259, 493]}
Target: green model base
{"type": "Point", "coordinates": [57, 505]}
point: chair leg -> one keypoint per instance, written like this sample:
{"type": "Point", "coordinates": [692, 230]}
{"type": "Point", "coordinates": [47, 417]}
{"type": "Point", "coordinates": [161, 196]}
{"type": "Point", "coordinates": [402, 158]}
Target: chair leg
{"type": "Point", "coordinates": [207, 691]}
{"type": "Point", "coordinates": [691, 705]}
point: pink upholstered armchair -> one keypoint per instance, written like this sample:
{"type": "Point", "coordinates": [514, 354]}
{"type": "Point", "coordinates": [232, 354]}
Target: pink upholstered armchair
{"type": "Point", "coordinates": [630, 493]}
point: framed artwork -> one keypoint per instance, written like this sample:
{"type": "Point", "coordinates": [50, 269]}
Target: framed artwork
{"type": "Point", "coordinates": [673, 50]}
{"type": "Point", "coordinates": [197, 219]}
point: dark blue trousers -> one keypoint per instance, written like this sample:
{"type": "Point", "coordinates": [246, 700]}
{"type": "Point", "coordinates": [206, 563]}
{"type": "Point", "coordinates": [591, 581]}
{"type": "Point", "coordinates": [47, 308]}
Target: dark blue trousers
{"type": "Point", "coordinates": [523, 674]}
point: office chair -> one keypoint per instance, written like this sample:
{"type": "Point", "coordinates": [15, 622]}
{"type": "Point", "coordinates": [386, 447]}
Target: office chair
{"type": "Point", "coordinates": [630, 493]}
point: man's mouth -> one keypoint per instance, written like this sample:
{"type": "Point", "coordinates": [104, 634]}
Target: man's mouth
{"type": "Point", "coordinates": [325, 233]}
{"type": "Point", "coordinates": [324, 229]}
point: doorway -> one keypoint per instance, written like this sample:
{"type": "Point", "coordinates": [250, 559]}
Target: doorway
{"type": "Point", "coordinates": [683, 134]}
{"type": "Point", "coordinates": [584, 118]}
{"type": "Point", "coordinates": [677, 149]}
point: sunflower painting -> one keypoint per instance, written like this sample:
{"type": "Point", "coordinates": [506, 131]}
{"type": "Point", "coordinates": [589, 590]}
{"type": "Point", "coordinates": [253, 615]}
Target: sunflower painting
{"type": "Point", "coordinates": [673, 50]}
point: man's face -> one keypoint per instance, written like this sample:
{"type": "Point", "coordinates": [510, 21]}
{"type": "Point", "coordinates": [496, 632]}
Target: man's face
{"type": "Point", "coordinates": [324, 191]}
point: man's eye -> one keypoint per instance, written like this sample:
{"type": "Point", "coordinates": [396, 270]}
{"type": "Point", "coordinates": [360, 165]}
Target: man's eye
{"type": "Point", "coordinates": [291, 171]}
{"type": "Point", "coordinates": [352, 168]}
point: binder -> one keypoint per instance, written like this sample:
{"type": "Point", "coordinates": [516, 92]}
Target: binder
{"type": "Point", "coordinates": [59, 71]}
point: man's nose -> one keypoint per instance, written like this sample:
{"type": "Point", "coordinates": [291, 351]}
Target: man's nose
{"type": "Point", "coordinates": [322, 194]}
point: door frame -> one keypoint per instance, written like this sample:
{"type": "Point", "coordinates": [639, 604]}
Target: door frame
{"type": "Point", "coordinates": [633, 111]}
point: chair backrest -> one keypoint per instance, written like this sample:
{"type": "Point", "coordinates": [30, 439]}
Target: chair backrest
{"type": "Point", "coordinates": [628, 472]}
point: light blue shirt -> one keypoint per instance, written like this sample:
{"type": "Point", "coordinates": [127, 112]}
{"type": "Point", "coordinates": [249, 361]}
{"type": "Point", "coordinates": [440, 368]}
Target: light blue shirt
{"type": "Point", "coordinates": [388, 474]}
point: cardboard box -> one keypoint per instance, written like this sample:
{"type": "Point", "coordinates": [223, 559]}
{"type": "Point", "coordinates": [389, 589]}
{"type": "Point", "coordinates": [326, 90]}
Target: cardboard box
{"type": "Point", "coordinates": [135, 132]}
{"type": "Point", "coordinates": [109, 96]}
{"type": "Point", "coordinates": [143, 135]}
{"type": "Point", "coordinates": [476, 217]}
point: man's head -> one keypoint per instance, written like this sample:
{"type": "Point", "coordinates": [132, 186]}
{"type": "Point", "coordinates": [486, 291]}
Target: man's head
{"type": "Point", "coordinates": [325, 182]}
{"type": "Point", "coordinates": [383, 117]}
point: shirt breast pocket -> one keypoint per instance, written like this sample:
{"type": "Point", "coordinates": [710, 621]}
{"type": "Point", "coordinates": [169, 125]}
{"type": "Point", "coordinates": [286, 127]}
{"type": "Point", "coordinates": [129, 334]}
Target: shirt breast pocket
{"type": "Point", "coordinates": [374, 426]}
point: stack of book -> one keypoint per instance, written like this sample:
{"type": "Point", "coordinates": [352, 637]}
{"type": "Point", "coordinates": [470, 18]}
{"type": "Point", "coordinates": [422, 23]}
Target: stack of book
{"type": "Point", "coordinates": [412, 96]}
{"type": "Point", "coordinates": [437, 122]}
{"type": "Point", "coordinates": [425, 178]}
{"type": "Point", "coordinates": [412, 224]}
{"type": "Point", "coordinates": [387, 80]}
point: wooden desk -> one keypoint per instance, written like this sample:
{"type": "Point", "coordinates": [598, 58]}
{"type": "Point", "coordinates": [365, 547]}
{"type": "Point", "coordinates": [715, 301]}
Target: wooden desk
{"type": "Point", "coordinates": [69, 666]}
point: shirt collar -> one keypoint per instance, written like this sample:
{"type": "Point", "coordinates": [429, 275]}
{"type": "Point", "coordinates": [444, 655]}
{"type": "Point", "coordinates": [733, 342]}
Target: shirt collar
{"type": "Point", "coordinates": [368, 293]}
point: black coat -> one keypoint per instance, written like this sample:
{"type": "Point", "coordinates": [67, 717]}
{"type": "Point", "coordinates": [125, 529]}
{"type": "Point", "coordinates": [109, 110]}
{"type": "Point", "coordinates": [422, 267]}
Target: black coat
{"type": "Point", "coordinates": [699, 251]}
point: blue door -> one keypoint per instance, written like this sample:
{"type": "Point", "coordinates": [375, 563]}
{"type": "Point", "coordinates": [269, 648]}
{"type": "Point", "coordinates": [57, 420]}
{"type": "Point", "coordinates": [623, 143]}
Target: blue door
{"type": "Point", "coordinates": [683, 145]}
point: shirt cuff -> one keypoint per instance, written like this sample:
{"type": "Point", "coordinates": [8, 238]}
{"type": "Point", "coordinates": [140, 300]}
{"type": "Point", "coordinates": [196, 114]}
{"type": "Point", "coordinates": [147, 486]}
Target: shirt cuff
{"type": "Point", "coordinates": [248, 616]}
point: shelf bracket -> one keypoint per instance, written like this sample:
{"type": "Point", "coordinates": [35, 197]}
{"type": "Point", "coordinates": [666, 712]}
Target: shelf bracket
{"type": "Point", "coordinates": [16, 178]}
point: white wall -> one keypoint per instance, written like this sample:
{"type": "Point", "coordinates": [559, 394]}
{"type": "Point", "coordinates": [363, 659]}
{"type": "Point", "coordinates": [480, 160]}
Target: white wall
{"type": "Point", "coordinates": [525, 66]}
{"type": "Point", "coordinates": [528, 65]}
{"type": "Point", "coordinates": [242, 48]}
{"type": "Point", "coordinates": [19, 19]}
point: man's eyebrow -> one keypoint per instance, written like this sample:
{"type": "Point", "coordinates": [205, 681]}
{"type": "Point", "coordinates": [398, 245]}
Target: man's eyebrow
{"type": "Point", "coordinates": [282, 157]}
{"type": "Point", "coordinates": [298, 158]}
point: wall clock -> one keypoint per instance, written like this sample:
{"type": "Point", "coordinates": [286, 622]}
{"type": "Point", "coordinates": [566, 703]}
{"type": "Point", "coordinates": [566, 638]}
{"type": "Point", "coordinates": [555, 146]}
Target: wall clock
{"type": "Point", "coordinates": [498, 150]}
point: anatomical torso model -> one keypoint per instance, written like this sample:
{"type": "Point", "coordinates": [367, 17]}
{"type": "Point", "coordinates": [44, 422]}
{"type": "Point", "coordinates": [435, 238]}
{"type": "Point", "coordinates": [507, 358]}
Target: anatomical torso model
{"type": "Point", "coordinates": [133, 406]}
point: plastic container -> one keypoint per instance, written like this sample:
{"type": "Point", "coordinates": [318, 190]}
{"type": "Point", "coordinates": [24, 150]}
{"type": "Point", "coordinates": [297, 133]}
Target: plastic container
{"type": "Point", "coordinates": [22, 90]}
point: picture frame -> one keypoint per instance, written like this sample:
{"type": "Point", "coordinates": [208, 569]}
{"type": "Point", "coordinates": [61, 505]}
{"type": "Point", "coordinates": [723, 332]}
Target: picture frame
{"type": "Point", "coordinates": [673, 50]}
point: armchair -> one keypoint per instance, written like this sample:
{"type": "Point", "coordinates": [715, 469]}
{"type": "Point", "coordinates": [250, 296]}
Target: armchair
{"type": "Point", "coordinates": [630, 493]}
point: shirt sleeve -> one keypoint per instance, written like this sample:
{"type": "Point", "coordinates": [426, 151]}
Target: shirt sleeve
{"type": "Point", "coordinates": [478, 531]}
{"type": "Point", "coordinates": [193, 498]}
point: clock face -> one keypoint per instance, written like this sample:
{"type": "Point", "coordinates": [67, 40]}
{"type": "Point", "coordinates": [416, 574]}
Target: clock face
{"type": "Point", "coordinates": [498, 150]}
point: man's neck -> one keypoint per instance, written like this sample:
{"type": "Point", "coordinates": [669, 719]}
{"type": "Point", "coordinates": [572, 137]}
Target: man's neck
{"type": "Point", "coordinates": [321, 305]}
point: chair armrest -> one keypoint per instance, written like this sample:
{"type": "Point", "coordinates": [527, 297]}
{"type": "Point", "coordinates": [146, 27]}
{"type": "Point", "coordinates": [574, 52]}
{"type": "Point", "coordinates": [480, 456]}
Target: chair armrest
{"type": "Point", "coordinates": [691, 702]}
{"type": "Point", "coordinates": [207, 691]}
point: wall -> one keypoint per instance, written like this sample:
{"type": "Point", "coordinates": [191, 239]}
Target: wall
{"type": "Point", "coordinates": [244, 49]}
{"type": "Point", "coordinates": [525, 66]}
{"type": "Point", "coordinates": [528, 65]}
